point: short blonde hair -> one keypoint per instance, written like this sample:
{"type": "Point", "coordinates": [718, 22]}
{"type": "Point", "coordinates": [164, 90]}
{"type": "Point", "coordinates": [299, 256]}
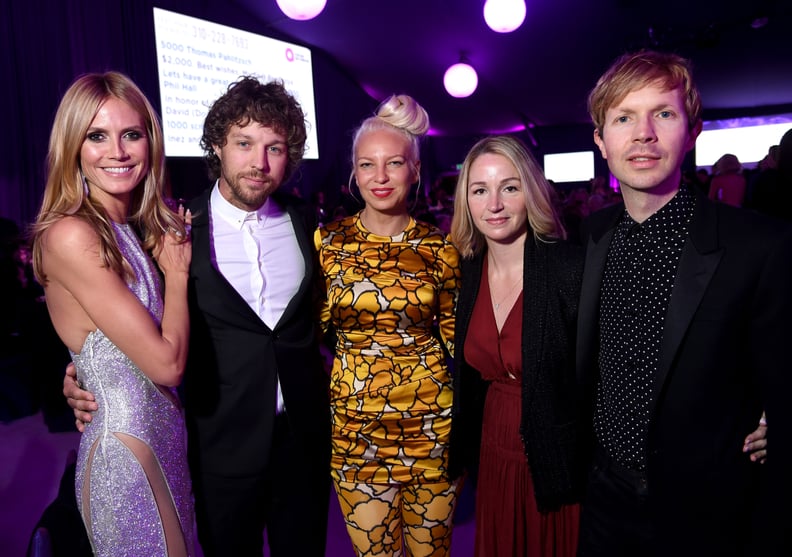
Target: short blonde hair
{"type": "Point", "coordinates": [399, 113]}
{"type": "Point", "coordinates": [543, 219]}
{"type": "Point", "coordinates": [640, 69]}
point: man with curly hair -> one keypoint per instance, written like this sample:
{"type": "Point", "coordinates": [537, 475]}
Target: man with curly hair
{"type": "Point", "coordinates": [255, 393]}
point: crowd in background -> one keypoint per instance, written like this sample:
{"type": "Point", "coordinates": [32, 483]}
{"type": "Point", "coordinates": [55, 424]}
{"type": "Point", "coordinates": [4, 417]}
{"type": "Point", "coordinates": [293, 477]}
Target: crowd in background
{"type": "Point", "coordinates": [765, 187]}
{"type": "Point", "coordinates": [31, 356]}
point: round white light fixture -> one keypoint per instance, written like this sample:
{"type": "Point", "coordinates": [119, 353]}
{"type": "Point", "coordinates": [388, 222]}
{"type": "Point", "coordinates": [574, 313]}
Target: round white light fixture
{"type": "Point", "coordinates": [301, 9]}
{"type": "Point", "coordinates": [460, 80]}
{"type": "Point", "coordinates": [504, 16]}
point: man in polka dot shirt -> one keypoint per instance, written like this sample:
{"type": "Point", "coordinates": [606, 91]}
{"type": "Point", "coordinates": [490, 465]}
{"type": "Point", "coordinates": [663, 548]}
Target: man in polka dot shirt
{"type": "Point", "coordinates": [685, 316]}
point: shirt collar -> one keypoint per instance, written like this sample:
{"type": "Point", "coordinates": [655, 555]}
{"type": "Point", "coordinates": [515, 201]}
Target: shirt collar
{"type": "Point", "coordinates": [235, 216]}
{"type": "Point", "coordinates": [670, 218]}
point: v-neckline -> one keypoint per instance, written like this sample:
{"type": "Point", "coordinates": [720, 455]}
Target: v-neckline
{"type": "Point", "coordinates": [517, 300]}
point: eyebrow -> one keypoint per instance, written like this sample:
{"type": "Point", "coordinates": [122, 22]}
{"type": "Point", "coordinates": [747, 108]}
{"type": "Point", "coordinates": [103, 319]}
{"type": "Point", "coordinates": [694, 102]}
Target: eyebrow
{"type": "Point", "coordinates": [240, 135]}
{"type": "Point", "coordinates": [124, 130]}
{"type": "Point", "coordinates": [663, 106]}
{"type": "Point", "coordinates": [504, 181]}
{"type": "Point", "coordinates": [387, 157]}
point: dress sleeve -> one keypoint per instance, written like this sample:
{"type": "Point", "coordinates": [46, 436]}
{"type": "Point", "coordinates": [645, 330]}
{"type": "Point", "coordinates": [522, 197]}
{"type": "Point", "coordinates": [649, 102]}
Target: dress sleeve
{"type": "Point", "coordinates": [448, 293]}
{"type": "Point", "coordinates": [322, 305]}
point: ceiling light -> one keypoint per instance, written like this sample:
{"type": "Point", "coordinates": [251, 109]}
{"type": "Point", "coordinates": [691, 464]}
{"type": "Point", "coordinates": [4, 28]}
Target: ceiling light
{"type": "Point", "coordinates": [301, 9]}
{"type": "Point", "coordinates": [504, 16]}
{"type": "Point", "coordinates": [460, 80]}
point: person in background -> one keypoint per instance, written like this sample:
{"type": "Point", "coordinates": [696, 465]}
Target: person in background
{"type": "Point", "coordinates": [684, 322]}
{"type": "Point", "coordinates": [319, 207]}
{"type": "Point", "coordinates": [772, 189]}
{"type": "Point", "coordinates": [348, 203]}
{"type": "Point", "coordinates": [255, 392]}
{"type": "Point", "coordinates": [770, 160]}
{"type": "Point", "coordinates": [515, 420]}
{"type": "Point", "coordinates": [728, 182]}
{"type": "Point", "coordinates": [388, 279]}
{"type": "Point", "coordinates": [102, 212]}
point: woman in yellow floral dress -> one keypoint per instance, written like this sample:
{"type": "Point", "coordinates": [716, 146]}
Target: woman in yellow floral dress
{"type": "Point", "coordinates": [391, 285]}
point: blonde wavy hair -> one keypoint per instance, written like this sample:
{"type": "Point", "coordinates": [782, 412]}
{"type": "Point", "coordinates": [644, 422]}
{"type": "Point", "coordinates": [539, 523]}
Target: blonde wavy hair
{"type": "Point", "coordinates": [543, 219]}
{"type": "Point", "coordinates": [65, 193]}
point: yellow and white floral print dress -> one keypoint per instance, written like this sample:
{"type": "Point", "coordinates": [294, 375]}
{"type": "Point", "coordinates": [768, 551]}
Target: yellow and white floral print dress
{"type": "Point", "coordinates": [390, 388]}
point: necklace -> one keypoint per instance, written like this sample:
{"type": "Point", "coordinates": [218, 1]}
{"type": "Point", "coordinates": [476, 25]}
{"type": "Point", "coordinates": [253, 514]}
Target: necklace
{"type": "Point", "coordinates": [497, 305]}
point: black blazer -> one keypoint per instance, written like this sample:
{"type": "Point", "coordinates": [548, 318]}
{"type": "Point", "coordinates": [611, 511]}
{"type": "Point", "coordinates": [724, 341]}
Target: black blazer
{"type": "Point", "coordinates": [549, 425]}
{"type": "Point", "coordinates": [724, 356]}
{"type": "Point", "coordinates": [230, 381]}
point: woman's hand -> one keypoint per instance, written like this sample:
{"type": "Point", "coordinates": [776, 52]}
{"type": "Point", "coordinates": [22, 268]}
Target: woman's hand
{"type": "Point", "coordinates": [756, 442]}
{"type": "Point", "coordinates": [173, 252]}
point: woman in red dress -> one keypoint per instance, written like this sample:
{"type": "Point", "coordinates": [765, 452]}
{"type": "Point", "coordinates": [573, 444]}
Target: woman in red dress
{"type": "Point", "coordinates": [515, 419]}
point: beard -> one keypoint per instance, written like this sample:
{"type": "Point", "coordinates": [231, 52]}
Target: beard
{"type": "Point", "coordinates": [246, 198]}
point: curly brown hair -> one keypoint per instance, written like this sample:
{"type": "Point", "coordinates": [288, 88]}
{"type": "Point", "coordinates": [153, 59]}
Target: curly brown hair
{"type": "Point", "coordinates": [268, 104]}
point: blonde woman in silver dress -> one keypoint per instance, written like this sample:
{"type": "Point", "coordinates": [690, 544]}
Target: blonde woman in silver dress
{"type": "Point", "coordinates": [102, 212]}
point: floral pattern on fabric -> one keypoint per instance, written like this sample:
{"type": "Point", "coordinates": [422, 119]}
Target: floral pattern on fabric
{"type": "Point", "coordinates": [387, 298]}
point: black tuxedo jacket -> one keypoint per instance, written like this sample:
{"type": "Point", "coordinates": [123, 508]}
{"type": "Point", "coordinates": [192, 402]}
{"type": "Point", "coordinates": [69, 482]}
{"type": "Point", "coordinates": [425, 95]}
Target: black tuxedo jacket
{"type": "Point", "coordinates": [724, 357]}
{"type": "Point", "coordinates": [235, 360]}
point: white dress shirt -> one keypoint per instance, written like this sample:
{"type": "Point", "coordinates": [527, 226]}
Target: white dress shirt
{"type": "Point", "coordinates": [258, 254]}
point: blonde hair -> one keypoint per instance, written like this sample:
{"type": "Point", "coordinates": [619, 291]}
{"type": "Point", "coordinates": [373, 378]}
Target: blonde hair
{"type": "Point", "coordinates": [640, 69]}
{"type": "Point", "coordinates": [543, 220]}
{"type": "Point", "coordinates": [399, 113]}
{"type": "Point", "coordinates": [65, 193]}
{"type": "Point", "coordinates": [727, 164]}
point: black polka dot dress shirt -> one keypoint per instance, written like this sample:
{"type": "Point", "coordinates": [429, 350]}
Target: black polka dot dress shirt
{"type": "Point", "coordinates": [636, 288]}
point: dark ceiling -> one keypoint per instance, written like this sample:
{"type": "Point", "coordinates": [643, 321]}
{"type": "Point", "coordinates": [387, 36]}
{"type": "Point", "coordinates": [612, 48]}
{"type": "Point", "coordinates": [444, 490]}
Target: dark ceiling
{"type": "Point", "coordinates": [541, 73]}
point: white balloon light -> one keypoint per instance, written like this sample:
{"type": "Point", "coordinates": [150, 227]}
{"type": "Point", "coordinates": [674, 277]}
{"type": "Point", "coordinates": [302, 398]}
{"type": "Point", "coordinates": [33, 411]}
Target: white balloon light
{"type": "Point", "coordinates": [504, 16]}
{"type": "Point", "coordinates": [301, 9]}
{"type": "Point", "coordinates": [460, 80]}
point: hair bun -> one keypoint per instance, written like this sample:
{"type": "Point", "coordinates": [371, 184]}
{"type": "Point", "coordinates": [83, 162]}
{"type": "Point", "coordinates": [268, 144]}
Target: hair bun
{"type": "Point", "coordinates": [402, 111]}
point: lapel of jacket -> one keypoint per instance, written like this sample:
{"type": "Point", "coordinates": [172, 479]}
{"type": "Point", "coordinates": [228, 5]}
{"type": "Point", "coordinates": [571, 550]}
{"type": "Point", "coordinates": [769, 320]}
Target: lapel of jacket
{"type": "Point", "coordinates": [205, 278]}
{"type": "Point", "coordinates": [601, 225]}
{"type": "Point", "coordinates": [309, 257]}
{"type": "Point", "coordinates": [534, 314]}
{"type": "Point", "coordinates": [471, 270]}
{"type": "Point", "coordinates": [697, 264]}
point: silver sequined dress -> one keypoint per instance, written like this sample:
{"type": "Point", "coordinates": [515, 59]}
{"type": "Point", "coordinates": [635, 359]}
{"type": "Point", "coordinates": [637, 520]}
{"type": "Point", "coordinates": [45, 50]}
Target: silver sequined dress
{"type": "Point", "coordinates": [124, 516]}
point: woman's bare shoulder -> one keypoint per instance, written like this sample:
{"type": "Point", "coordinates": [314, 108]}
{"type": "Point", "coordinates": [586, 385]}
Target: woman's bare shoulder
{"type": "Point", "coordinates": [69, 234]}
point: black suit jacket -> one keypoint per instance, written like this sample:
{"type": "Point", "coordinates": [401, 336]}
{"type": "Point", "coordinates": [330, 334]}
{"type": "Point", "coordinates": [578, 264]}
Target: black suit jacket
{"type": "Point", "coordinates": [724, 356]}
{"type": "Point", "coordinates": [235, 360]}
{"type": "Point", "coordinates": [549, 422]}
